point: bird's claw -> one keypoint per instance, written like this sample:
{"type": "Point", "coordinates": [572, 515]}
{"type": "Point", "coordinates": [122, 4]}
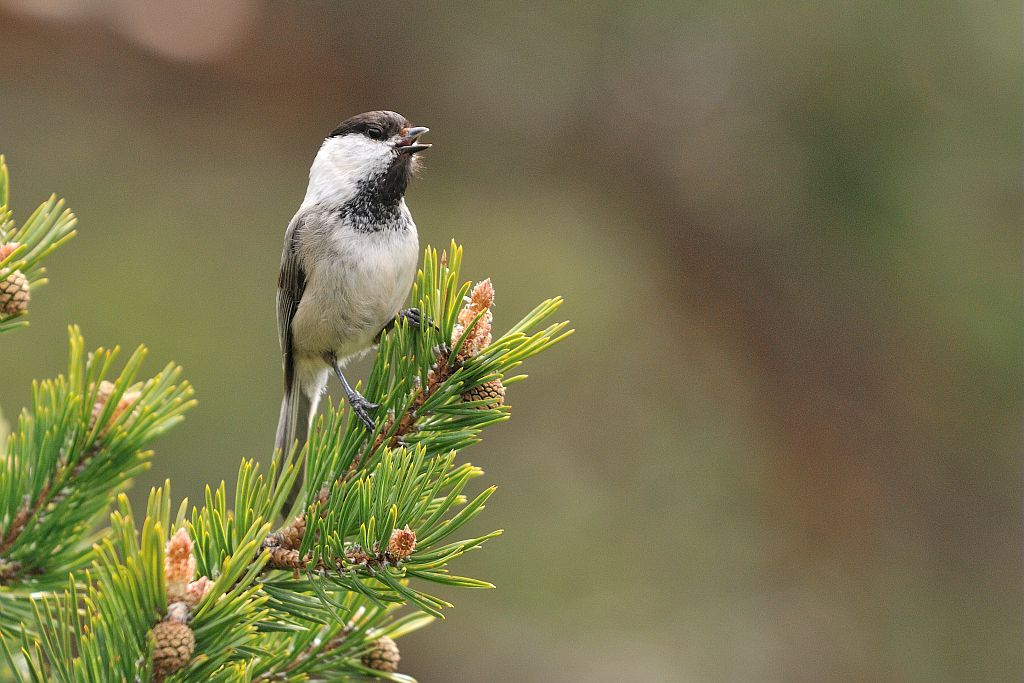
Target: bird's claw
{"type": "Point", "coordinates": [415, 318]}
{"type": "Point", "coordinates": [412, 316]}
{"type": "Point", "coordinates": [364, 410]}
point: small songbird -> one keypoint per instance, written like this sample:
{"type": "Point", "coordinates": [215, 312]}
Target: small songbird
{"type": "Point", "coordinates": [350, 255]}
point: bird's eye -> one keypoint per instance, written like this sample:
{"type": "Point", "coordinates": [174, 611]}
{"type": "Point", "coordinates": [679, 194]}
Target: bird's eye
{"type": "Point", "coordinates": [375, 133]}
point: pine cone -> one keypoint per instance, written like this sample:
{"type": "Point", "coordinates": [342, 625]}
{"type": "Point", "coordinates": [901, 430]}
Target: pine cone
{"type": "Point", "coordinates": [291, 535]}
{"type": "Point", "coordinates": [284, 558]}
{"type": "Point", "coordinates": [14, 293]}
{"type": "Point", "coordinates": [173, 646]}
{"type": "Point", "coordinates": [384, 656]}
{"type": "Point", "coordinates": [493, 392]}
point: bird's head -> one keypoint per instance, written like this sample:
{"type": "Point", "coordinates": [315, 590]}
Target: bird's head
{"type": "Point", "coordinates": [372, 152]}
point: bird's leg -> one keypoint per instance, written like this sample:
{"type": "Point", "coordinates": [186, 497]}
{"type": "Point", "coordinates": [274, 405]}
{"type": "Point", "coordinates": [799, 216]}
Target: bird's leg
{"type": "Point", "coordinates": [411, 315]}
{"type": "Point", "coordinates": [360, 406]}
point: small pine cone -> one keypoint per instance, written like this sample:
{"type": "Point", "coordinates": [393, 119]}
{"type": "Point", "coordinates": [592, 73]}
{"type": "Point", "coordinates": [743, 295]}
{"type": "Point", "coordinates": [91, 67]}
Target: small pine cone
{"type": "Point", "coordinates": [402, 543]}
{"type": "Point", "coordinates": [493, 392]}
{"type": "Point", "coordinates": [384, 656]}
{"type": "Point", "coordinates": [14, 293]}
{"type": "Point", "coordinates": [291, 535]}
{"type": "Point", "coordinates": [173, 645]}
{"type": "Point", "coordinates": [284, 558]}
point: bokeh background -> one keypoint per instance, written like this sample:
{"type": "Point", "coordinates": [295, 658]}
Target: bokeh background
{"type": "Point", "coordinates": [784, 444]}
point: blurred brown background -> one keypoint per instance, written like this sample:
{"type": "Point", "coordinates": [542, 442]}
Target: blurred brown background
{"type": "Point", "coordinates": [783, 445]}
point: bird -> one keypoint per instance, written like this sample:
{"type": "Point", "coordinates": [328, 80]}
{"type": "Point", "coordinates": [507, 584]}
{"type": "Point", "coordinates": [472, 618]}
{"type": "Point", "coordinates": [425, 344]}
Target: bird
{"type": "Point", "coordinates": [348, 262]}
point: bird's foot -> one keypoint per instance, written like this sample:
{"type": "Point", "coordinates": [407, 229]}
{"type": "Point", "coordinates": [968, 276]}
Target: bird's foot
{"type": "Point", "coordinates": [364, 410]}
{"type": "Point", "coordinates": [412, 317]}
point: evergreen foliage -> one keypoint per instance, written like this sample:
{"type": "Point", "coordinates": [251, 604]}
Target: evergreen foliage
{"type": "Point", "coordinates": [49, 226]}
{"type": "Point", "coordinates": [213, 592]}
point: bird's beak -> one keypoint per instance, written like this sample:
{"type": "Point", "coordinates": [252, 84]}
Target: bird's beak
{"type": "Point", "coordinates": [407, 144]}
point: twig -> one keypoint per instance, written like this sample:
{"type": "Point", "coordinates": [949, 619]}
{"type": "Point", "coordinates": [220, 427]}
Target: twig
{"type": "Point", "coordinates": [27, 511]}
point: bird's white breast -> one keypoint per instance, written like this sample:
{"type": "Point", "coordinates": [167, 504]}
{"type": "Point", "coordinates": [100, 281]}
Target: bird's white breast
{"type": "Point", "coordinates": [355, 284]}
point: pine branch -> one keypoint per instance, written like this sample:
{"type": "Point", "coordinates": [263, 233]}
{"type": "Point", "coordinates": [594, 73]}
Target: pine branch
{"type": "Point", "coordinates": [81, 442]}
{"type": "Point", "coordinates": [22, 250]}
{"type": "Point", "coordinates": [131, 624]}
{"type": "Point", "coordinates": [223, 598]}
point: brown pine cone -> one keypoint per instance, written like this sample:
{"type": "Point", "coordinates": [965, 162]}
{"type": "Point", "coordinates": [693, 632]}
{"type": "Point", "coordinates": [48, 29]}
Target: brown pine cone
{"type": "Point", "coordinates": [384, 656]}
{"type": "Point", "coordinates": [291, 535]}
{"type": "Point", "coordinates": [14, 293]}
{"type": "Point", "coordinates": [173, 645]}
{"type": "Point", "coordinates": [285, 558]}
{"type": "Point", "coordinates": [493, 392]}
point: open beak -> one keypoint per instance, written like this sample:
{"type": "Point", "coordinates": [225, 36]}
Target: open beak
{"type": "Point", "coordinates": [408, 144]}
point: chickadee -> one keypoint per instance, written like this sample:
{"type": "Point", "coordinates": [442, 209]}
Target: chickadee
{"type": "Point", "coordinates": [350, 255]}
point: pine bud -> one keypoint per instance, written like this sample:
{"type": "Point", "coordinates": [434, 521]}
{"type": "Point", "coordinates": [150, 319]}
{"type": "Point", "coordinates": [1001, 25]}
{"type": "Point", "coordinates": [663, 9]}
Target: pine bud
{"type": "Point", "coordinates": [354, 554]}
{"type": "Point", "coordinates": [7, 249]}
{"type": "Point", "coordinates": [173, 645]}
{"type": "Point", "coordinates": [8, 568]}
{"type": "Point", "coordinates": [179, 565]}
{"type": "Point", "coordinates": [402, 543]}
{"type": "Point", "coordinates": [14, 293]}
{"type": "Point", "coordinates": [384, 656]}
{"type": "Point", "coordinates": [482, 295]}
{"type": "Point", "coordinates": [103, 394]}
{"type": "Point", "coordinates": [478, 337]}
{"type": "Point", "coordinates": [178, 612]}
{"type": "Point", "coordinates": [197, 590]}
{"type": "Point", "coordinates": [493, 392]}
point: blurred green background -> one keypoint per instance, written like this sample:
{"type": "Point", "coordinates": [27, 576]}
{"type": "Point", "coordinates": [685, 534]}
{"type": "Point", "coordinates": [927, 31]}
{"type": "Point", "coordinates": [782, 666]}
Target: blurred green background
{"type": "Point", "coordinates": [784, 444]}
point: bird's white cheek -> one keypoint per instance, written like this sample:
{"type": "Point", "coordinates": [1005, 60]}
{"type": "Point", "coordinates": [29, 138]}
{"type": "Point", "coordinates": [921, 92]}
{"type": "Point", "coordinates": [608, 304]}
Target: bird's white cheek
{"type": "Point", "coordinates": [358, 155]}
{"type": "Point", "coordinates": [341, 164]}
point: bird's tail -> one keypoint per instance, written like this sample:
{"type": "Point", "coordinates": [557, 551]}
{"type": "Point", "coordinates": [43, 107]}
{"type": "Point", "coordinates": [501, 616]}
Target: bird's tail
{"type": "Point", "coordinates": [293, 426]}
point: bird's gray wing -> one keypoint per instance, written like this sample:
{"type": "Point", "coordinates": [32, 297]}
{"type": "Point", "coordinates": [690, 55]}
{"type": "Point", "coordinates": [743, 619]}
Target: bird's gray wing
{"type": "Point", "coordinates": [291, 283]}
